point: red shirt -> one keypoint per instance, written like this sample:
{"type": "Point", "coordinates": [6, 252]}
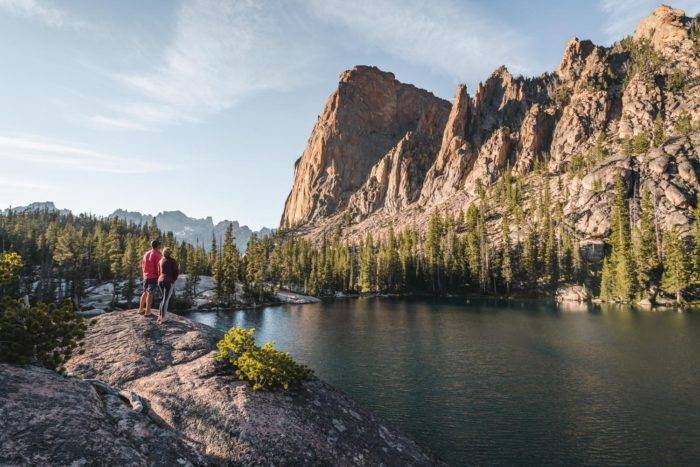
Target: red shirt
{"type": "Point", "coordinates": [149, 264]}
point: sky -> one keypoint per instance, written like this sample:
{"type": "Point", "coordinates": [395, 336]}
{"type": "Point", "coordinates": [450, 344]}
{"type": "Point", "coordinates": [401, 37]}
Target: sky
{"type": "Point", "coordinates": [204, 105]}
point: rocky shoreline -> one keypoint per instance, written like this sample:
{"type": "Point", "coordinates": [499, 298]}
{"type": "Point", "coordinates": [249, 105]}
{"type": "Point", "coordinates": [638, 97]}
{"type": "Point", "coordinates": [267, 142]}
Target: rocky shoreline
{"type": "Point", "coordinates": [103, 297]}
{"type": "Point", "coordinates": [142, 394]}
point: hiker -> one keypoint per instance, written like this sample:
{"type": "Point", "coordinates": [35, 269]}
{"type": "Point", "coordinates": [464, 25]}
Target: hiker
{"type": "Point", "coordinates": [149, 268]}
{"type": "Point", "coordinates": [167, 275]}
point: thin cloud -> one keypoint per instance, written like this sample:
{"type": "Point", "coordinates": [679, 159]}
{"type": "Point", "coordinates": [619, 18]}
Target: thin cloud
{"type": "Point", "coordinates": [452, 38]}
{"type": "Point", "coordinates": [221, 51]}
{"type": "Point", "coordinates": [622, 16]}
{"type": "Point", "coordinates": [41, 11]}
{"type": "Point", "coordinates": [104, 122]}
{"type": "Point", "coordinates": [61, 155]}
{"type": "Point", "coordinates": [6, 182]}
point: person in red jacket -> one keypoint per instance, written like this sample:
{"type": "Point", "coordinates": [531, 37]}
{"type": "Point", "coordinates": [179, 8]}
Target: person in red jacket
{"type": "Point", "coordinates": [149, 269]}
{"type": "Point", "coordinates": [167, 275]}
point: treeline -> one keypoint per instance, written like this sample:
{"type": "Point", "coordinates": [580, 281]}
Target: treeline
{"type": "Point", "coordinates": [505, 241]}
{"type": "Point", "coordinates": [64, 254]}
{"type": "Point", "coordinates": [513, 238]}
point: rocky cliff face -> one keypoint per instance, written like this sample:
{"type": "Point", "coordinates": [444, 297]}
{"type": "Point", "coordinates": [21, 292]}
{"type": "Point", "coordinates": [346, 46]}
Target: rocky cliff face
{"type": "Point", "coordinates": [357, 175]}
{"type": "Point", "coordinates": [363, 121]}
{"type": "Point", "coordinates": [143, 394]}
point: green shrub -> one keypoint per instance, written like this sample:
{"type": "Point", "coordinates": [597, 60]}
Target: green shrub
{"type": "Point", "coordinates": [10, 264]}
{"type": "Point", "coordinates": [577, 166]}
{"type": "Point", "coordinates": [684, 124]}
{"type": "Point", "coordinates": [41, 334]}
{"type": "Point", "coordinates": [640, 143]}
{"type": "Point", "coordinates": [562, 97]}
{"type": "Point", "coordinates": [263, 367]}
{"type": "Point", "coordinates": [675, 82]}
{"type": "Point", "coordinates": [644, 60]}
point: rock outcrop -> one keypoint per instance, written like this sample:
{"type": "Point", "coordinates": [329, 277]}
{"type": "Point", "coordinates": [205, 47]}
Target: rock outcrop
{"type": "Point", "coordinates": [367, 116]}
{"type": "Point", "coordinates": [368, 168]}
{"type": "Point", "coordinates": [48, 419]}
{"type": "Point", "coordinates": [202, 411]}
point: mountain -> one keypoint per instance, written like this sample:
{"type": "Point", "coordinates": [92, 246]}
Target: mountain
{"type": "Point", "coordinates": [39, 206]}
{"type": "Point", "coordinates": [191, 230]}
{"type": "Point", "coordinates": [387, 154]}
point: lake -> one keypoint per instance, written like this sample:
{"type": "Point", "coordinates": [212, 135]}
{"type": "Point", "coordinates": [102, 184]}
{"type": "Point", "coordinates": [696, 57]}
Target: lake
{"type": "Point", "coordinates": [503, 382]}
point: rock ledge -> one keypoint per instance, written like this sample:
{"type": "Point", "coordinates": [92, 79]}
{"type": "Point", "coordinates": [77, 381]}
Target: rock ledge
{"type": "Point", "coordinates": [194, 403]}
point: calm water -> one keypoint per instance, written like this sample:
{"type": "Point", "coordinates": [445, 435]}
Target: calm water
{"type": "Point", "coordinates": [482, 382]}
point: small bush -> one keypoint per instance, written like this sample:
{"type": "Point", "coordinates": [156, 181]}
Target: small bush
{"type": "Point", "coordinates": [675, 82]}
{"type": "Point", "coordinates": [263, 367]}
{"type": "Point", "coordinates": [562, 97]}
{"type": "Point", "coordinates": [43, 334]}
{"type": "Point", "coordinates": [684, 124]}
{"type": "Point", "coordinates": [577, 166]}
{"type": "Point", "coordinates": [640, 143]}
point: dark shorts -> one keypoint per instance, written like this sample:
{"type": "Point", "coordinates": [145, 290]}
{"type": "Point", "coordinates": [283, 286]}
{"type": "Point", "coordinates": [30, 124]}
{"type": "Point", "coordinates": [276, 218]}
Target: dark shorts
{"type": "Point", "coordinates": [165, 287]}
{"type": "Point", "coordinates": [150, 285]}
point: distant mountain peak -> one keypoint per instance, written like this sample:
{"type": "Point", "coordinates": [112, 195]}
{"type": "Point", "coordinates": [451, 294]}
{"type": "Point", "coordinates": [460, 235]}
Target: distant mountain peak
{"type": "Point", "coordinates": [190, 229]}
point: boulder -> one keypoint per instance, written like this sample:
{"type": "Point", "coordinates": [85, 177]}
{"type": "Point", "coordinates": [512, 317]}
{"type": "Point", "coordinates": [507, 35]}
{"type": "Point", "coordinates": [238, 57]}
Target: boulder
{"type": "Point", "coordinates": [172, 368]}
{"type": "Point", "coordinates": [572, 293]}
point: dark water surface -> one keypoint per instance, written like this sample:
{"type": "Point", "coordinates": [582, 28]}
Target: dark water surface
{"type": "Point", "coordinates": [483, 382]}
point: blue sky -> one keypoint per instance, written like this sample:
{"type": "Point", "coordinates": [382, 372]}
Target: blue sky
{"type": "Point", "coordinates": [203, 106]}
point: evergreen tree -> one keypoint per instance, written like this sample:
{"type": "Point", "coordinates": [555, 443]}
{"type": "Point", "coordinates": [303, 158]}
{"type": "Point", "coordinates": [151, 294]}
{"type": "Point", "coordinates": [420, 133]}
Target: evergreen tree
{"type": "Point", "coordinates": [696, 246]}
{"type": "Point", "coordinates": [646, 257]}
{"type": "Point", "coordinates": [620, 239]}
{"type": "Point", "coordinates": [367, 262]}
{"type": "Point", "coordinates": [130, 269]}
{"type": "Point", "coordinates": [433, 251]}
{"type": "Point", "coordinates": [506, 267]}
{"type": "Point", "coordinates": [607, 281]}
{"type": "Point", "coordinates": [676, 277]}
{"type": "Point", "coordinates": [228, 268]}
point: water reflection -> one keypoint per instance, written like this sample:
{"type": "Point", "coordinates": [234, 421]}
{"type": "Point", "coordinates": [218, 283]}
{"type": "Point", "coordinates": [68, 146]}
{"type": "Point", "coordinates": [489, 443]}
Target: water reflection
{"type": "Point", "coordinates": [484, 381]}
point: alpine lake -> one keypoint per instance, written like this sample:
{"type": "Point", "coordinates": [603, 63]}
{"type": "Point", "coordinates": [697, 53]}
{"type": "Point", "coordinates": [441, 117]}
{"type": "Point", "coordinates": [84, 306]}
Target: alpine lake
{"type": "Point", "coordinates": [481, 381]}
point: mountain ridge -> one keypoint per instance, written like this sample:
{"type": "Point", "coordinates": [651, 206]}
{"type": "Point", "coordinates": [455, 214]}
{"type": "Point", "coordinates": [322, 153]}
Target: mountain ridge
{"type": "Point", "coordinates": [580, 122]}
{"type": "Point", "coordinates": [192, 230]}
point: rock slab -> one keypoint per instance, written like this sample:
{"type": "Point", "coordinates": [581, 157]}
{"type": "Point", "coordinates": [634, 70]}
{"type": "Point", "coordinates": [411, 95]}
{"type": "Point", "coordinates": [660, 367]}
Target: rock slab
{"type": "Point", "coordinates": [172, 368]}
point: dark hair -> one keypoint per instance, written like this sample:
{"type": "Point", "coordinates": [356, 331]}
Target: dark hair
{"type": "Point", "coordinates": [155, 244]}
{"type": "Point", "coordinates": [167, 252]}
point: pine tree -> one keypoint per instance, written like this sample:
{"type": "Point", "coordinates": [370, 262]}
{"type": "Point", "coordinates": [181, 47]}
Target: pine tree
{"type": "Point", "coordinates": [433, 251]}
{"type": "Point", "coordinates": [621, 256]}
{"type": "Point", "coordinates": [114, 249]}
{"type": "Point", "coordinates": [367, 263]}
{"type": "Point", "coordinates": [528, 261]}
{"type": "Point", "coordinates": [471, 244]}
{"type": "Point", "coordinates": [676, 277]}
{"type": "Point", "coordinates": [506, 267]}
{"type": "Point", "coordinates": [696, 246]}
{"type": "Point", "coordinates": [228, 269]}
{"type": "Point", "coordinates": [484, 254]}
{"type": "Point", "coordinates": [646, 257]}
{"type": "Point", "coordinates": [607, 281]}
{"type": "Point", "coordinates": [550, 242]}
{"type": "Point", "coordinates": [130, 269]}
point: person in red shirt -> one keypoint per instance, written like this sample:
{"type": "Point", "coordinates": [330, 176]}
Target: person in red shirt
{"type": "Point", "coordinates": [149, 268]}
{"type": "Point", "coordinates": [167, 275]}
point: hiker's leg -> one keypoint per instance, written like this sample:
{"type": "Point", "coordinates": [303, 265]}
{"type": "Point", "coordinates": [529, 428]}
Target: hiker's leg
{"type": "Point", "coordinates": [142, 301]}
{"type": "Point", "coordinates": [149, 301]}
{"type": "Point", "coordinates": [167, 293]}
